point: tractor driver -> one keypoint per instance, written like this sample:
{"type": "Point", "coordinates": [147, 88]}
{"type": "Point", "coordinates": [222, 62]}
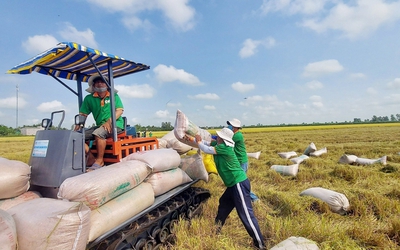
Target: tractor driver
{"type": "Point", "coordinates": [98, 103]}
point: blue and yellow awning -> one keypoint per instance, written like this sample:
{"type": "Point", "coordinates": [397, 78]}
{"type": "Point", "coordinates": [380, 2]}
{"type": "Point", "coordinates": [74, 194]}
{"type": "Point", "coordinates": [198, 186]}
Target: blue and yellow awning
{"type": "Point", "coordinates": [69, 60]}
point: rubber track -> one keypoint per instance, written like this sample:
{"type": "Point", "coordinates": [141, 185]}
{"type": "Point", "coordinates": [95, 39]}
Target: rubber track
{"type": "Point", "coordinates": [156, 228]}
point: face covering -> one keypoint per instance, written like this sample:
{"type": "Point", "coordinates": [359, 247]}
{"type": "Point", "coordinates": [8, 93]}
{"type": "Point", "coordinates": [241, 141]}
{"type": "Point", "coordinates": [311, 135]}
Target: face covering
{"type": "Point", "coordinates": [230, 127]}
{"type": "Point", "coordinates": [100, 90]}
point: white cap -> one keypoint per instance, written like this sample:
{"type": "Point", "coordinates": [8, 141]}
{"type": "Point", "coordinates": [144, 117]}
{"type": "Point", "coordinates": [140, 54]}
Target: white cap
{"type": "Point", "coordinates": [92, 80]}
{"type": "Point", "coordinates": [235, 123]}
{"type": "Point", "coordinates": [226, 135]}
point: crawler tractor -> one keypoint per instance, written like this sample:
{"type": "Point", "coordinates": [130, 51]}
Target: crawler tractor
{"type": "Point", "coordinates": [58, 154]}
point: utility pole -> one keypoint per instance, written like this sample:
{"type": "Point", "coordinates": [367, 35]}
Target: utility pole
{"type": "Point", "coordinates": [16, 125]}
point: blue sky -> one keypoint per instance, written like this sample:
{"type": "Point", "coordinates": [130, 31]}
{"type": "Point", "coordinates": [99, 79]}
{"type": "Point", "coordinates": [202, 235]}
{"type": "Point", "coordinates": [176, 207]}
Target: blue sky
{"type": "Point", "coordinates": [263, 62]}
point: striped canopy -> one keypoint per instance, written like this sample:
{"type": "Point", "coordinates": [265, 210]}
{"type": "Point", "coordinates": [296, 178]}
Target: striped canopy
{"type": "Point", "coordinates": [69, 60]}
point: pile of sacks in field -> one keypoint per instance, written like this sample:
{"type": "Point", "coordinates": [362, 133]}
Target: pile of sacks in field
{"type": "Point", "coordinates": [293, 169]}
{"type": "Point", "coordinates": [311, 151]}
{"type": "Point", "coordinates": [336, 201]}
{"type": "Point", "coordinates": [89, 204]}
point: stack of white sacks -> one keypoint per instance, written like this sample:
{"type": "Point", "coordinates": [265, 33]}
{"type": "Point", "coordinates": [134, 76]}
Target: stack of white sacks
{"type": "Point", "coordinates": [293, 169]}
{"type": "Point", "coordinates": [89, 204]}
{"type": "Point", "coordinates": [14, 184]}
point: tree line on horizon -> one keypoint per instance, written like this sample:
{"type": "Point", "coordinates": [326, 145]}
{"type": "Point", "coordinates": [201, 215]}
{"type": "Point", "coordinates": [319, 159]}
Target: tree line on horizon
{"type": "Point", "coordinates": [167, 126]}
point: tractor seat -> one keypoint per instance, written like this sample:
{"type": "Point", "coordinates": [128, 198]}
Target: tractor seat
{"type": "Point", "coordinates": [122, 134]}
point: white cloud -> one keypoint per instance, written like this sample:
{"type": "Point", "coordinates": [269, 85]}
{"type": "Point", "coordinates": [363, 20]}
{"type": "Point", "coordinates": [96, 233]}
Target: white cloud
{"type": "Point", "coordinates": [357, 75]}
{"type": "Point", "coordinates": [135, 91]}
{"type": "Point", "coordinates": [171, 74]}
{"type": "Point", "coordinates": [316, 98]}
{"type": "Point", "coordinates": [241, 87]}
{"type": "Point", "coordinates": [251, 100]}
{"type": "Point", "coordinates": [11, 102]}
{"type": "Point", "coordinates": [268, 106]}
{"type": "Point", "coordinates": [135, 120]}
{"type": "Point", "coordinates": [70, 33]}
{"type": "Point", "coordinates": [316, 101]}
{"type": "Point", "coordinates": [250, 46]}
{"type": "Point", "coordinates": [33, 121]}
{"type": "Point", "coordinates": [322, 68]}
{"type": "Point", "coordinates": [39, 43]}
{"type": "Point", "coordinates": [293, 6]}
{"type": "Point", "coordinates": [172, 104]}
{"type": "Point", "coordinates": [134, 23]}
{"type": "Point", "coordinates": [395, 84]}
{"type": "Point", "coordinates": [357, 20]}
{"type": "Point", "coordinates": [207, 96]}
{"type": "Point", "coordinates": [122, 5]}
{"type": "Point", "coordinates": [177, 13]}
{"type": "Point", "coordinates": [372, 91]}
{"type": "Point", "coordinates": [266, 100]}
{"type": "Point", "coordinates": [209, 107]}
{"type": "Point", "coordinates": [314, 85]}
{"type": "Point", "coordinates": [162, 114]}
{"type": "Point", "coordinates": [10, 79]}
{"type": "Point", "coordinates": [48, 107]}
{"type": "Point", "coordinates": [317, 104]}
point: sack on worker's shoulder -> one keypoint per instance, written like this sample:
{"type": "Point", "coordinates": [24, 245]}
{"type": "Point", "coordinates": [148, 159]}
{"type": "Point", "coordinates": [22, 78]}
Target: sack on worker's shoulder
{"type": "Point", "coordinates": [183, 126]}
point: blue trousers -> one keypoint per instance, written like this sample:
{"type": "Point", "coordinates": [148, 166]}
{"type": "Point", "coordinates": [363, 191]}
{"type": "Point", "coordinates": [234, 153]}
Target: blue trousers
{"type": "Point", "coordinates": [245, 166]}
{"type": "Point", "coordinates": [238, 196]}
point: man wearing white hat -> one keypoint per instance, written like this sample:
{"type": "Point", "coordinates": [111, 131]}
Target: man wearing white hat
{"type": "Point", "coordinates": [237, 193]}
{"type": "Point", "coordinates": [240, 148]}
{"type": "Point", "coordinates": [98, 103]}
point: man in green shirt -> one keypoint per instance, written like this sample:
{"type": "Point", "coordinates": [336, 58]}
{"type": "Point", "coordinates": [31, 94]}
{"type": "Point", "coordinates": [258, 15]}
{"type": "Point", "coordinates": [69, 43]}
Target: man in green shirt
{"type": "Point", "coordinates": [237, 193]}
{"type": "Point", "coordinates": [240, 148]}
{"type": "Point", "coordinates": [98, 104]}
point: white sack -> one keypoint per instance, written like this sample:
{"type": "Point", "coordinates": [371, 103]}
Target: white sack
{"type": "Point", "coordinates": [162, 143]}
{"type": "Point", "coordinates": [97, 187]}
{"type": "Point", "coordinates": [365, 161]}
{"type": "Point", "coordinates": [296, 243]}
{"type": "Point", "coordinates": [180, 147]}
{"type": "Point", "coordinates": [162, 182]}
{"type": "Point", "coordinates": [299, 159]}
{"type": "Point", "coordinates": [290, 170]}
{"type": "Point", "coordinates": [337, 202]}
{"type": "Point", "coordinates": [120, 209]}
{"type": "Point", "coordinates": [46, 223]}
{"type": "Point", "coordinates": [194, 167]}
{"type": "Point", "coordinates": [8, 231]}
{"type": "Point", "coordinates": [287, 155]}
{"type": "Point", "coordinates": [254, 155]}
{"type": "Point", "coordinates": [311, 148]}
{"type": "Point", "coordinates": [158, 159]}
{"type": "Point", "coordinates": [319, 152]}
{"type": "Point", "coordinates": [183, 126]}
{"type": "Point", "coordinates": [347, 159]}
{"type": "Point", "coordinates": [14, 178]}
{"type": "Point", "coordinates": [27, 196]}
{"type": "Point", "coordinates": [175, 144]}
